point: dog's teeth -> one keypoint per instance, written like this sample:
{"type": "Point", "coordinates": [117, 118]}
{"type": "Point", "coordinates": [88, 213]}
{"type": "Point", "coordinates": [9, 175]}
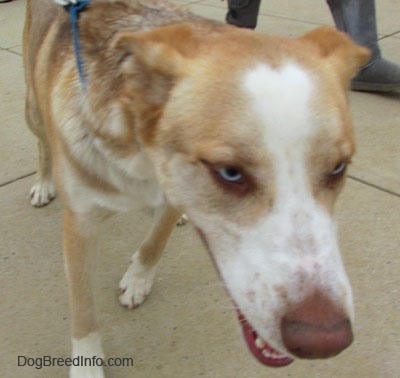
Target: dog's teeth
{"type": "Point", "coordinates": [266, 353]}
{"type": "Point", "coordinates": [272, 353]}
{"type": "Point", "coordinates": [259, 343]}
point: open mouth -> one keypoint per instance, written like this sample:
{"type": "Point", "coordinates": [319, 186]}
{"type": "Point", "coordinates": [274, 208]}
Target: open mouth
{"type": "Point", "coordinates": [261, 349]}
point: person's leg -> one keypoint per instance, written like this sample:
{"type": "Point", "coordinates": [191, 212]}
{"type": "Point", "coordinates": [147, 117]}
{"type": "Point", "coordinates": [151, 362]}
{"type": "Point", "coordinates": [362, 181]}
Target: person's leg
{"type": "Point", "coordinates": [357, 18]}
{"type": "Point", "coordinates": [243, 13]}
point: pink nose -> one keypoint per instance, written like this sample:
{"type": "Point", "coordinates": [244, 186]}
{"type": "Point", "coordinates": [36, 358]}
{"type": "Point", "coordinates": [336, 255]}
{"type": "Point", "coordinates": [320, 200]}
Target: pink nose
{"type": "Point", "coordinates": [316, 328]}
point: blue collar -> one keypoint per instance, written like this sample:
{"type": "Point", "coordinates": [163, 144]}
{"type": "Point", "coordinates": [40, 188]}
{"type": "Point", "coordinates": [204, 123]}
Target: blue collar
{"type": "Point", "coordinates": [74, 11]}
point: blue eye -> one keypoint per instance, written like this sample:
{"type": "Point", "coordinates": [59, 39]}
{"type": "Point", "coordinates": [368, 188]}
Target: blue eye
{"type": "Point", "coordinates": [340, 168]}
{"type": "Point", "coordinates": [230, 174]}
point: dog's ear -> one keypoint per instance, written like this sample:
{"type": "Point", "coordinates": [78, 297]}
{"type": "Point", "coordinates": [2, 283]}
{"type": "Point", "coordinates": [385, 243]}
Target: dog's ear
{"type": "Point", "coordinates": [340, 50]}
{"type": "Point", "coordinates": [151, 63]}
{"type": "Point", "coordinates": [164, 50]}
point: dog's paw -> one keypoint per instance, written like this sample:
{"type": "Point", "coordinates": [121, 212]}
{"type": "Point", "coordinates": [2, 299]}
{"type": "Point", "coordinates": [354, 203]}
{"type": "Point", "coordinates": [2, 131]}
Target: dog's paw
{"type": "Point", "coordinates": [88, 354]}
{"type": "Point", "coordinates": [65, 2]}
{"type": "Point", "coordinates": [42, 193]}
{"type": "Point", "coordinates": [182, 220]}
{"type": "Point", "coordinates": [136, 283]}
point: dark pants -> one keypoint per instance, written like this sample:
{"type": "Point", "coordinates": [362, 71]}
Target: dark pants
{"type": "Point", "coordinates": [243, 13]}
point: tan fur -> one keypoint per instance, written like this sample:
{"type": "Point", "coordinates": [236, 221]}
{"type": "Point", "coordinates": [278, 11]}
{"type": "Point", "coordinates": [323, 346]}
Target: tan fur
{"type": "Point", "coordinates": [136, 54]}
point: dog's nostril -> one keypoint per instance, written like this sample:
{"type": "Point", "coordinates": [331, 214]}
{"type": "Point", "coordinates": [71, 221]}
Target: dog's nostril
{"type": "Point", "coordinates": [316, 328]}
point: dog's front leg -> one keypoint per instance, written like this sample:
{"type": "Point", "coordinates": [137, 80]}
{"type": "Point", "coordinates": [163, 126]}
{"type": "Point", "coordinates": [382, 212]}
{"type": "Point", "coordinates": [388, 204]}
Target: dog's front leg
{"type": "Point", "coordinates": [80, 232]}
{"type": "Point", "coordinates": [138, 279]}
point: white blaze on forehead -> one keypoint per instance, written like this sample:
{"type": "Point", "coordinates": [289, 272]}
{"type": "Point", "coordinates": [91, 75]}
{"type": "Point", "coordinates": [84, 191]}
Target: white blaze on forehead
{"type": "Point", "coordinates": [281, 97]}
{"type": "Point", "coordinates": [281, 102]}
{"type": "Point", "coordinates": [298, 235]}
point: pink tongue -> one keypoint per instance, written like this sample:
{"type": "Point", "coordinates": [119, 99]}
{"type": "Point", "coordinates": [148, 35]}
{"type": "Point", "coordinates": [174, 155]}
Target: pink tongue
{"type": "Point", "coordinates": [266, 355]}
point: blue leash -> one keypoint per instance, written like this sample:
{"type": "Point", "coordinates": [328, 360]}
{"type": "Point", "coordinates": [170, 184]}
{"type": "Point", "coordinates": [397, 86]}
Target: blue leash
{"type": "Point", "coordinates": [74, 11]}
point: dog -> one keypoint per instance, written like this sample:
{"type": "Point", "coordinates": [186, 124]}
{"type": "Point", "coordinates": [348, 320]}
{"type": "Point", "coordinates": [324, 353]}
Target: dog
{"type": "Point", "coordinates": [248, 134]}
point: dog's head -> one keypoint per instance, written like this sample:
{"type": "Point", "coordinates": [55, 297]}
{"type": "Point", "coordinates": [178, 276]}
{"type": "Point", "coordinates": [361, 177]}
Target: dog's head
{"type": "Point", "coordinates": [251, 137]}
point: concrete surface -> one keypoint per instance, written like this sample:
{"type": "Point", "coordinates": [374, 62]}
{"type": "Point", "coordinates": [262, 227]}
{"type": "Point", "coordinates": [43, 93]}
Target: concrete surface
{"type": "Point", "coordinates": [187, 327]}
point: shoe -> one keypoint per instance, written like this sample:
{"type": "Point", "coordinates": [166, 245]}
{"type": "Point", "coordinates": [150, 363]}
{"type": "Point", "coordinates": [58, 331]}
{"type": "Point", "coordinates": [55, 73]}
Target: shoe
{"type": "Point", "coordinates": [358, 19]}
{"type": "Point", "coordinates": [243, 13]}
